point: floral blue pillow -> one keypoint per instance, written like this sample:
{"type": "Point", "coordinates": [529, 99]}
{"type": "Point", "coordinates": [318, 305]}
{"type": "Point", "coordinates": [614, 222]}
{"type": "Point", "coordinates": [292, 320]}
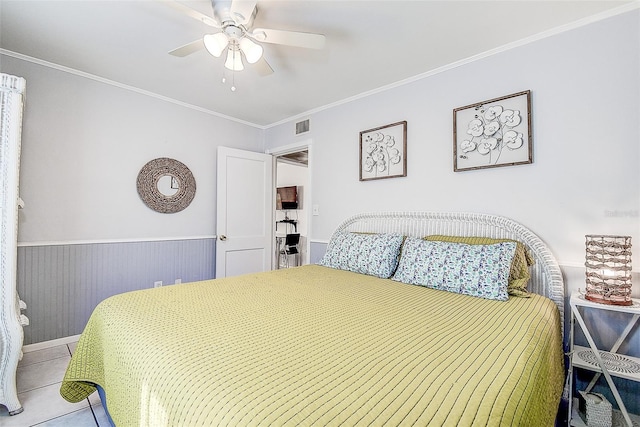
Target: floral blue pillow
{"type": "Point", "coordinates": [372, 254]}
{"type": "Point", "coordinates": [476, 270]}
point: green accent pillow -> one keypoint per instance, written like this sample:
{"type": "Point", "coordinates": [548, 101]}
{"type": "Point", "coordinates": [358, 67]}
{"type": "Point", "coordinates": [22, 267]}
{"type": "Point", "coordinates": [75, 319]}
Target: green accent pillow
{"type": "Point", "coordinates": [518, 276]}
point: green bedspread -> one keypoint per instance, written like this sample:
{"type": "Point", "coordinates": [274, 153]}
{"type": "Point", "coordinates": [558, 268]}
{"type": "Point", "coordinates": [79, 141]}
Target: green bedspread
{"type": "Point", "coordinates": [316, 346]}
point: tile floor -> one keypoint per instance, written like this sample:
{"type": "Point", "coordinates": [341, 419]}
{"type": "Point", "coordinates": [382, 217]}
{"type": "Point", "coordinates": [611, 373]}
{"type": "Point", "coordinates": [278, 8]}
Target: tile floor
{"type": "Point", "coordinates": [39, 376]}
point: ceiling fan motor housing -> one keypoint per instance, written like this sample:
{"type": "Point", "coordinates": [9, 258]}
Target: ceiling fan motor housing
{"type": "Point", "coordinates": [233, 31]}
{"type": "Point", "coordinates": [222, 12]}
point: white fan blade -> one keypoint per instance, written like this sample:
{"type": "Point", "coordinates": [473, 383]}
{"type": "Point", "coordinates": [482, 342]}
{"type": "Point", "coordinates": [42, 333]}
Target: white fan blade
{"type": "Point", "coordinates": [192, 13]}
{"type": "Point", "coordinates": [188, 48]}
{"type": "Point", "coordinates": [242, 11]}
{"type": "Point", "coordinates": [289, 38]}
{"type": "Point", "coordinates": [262, 67]}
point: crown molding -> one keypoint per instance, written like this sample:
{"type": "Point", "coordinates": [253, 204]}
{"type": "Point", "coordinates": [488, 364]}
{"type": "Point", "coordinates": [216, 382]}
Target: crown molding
{"type": "Point", "coordinates": [109, 82]}
{"type": "Point", "coordinates": [527, 40]}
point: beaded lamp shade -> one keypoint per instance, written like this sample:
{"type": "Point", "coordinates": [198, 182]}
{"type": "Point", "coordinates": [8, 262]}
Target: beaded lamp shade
{"type": "Point", "coordinates": [608, 269]}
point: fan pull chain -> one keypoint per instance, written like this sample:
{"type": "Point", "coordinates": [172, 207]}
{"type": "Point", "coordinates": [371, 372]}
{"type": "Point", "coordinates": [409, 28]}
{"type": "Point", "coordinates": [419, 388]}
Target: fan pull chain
{"type": "Point", "coordinates": [233, 73]}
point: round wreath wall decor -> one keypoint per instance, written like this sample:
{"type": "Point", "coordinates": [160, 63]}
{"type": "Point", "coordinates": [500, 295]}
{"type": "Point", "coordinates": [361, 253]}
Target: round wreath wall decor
{"type": "Point", "coordinates": [182, 183]}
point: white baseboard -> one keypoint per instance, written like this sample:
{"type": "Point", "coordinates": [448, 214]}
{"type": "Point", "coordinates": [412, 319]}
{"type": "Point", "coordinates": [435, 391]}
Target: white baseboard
{"type": "Point", "coordinates": [48, 344]}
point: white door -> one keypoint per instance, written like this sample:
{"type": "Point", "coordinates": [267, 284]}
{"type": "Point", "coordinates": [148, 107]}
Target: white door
{"type": "Point", "coordinates": [244, 212]}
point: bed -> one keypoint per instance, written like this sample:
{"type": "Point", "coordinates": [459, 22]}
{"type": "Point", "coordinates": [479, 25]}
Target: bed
{"type": "Point", "coordinates": [324, 345]}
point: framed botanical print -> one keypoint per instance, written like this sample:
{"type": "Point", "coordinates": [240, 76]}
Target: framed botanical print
{"type": "Point", "coordinates": [493, 133]}
{"type": "Point", "coordinates": [383, 152]}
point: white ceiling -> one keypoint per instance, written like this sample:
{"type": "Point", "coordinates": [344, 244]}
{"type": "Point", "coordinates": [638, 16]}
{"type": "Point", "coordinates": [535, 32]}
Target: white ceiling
{"type": "Point", "coordinates": [369, 45]}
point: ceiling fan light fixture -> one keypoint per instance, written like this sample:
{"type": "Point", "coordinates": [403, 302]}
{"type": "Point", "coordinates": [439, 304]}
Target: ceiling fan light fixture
{"type": "Point", "coordinates": [234, 59]}
{"type": "Point", "coordinates": [216, 43]}
{"type": "Point", "coordinates": [252, 51]}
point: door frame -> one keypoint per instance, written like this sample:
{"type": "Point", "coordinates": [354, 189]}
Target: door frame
{"type": "Point", "coordinates": [305, 145]}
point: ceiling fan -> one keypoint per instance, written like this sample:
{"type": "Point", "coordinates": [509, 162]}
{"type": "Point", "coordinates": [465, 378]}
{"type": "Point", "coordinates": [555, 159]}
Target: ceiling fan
{"type": "Point", "coordinates": [234, 19]}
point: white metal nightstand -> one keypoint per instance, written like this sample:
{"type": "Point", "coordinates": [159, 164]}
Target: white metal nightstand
{"type": "Point", "coordinates": [608, 363]}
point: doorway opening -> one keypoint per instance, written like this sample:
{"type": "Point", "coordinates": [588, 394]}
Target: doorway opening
{"type": "Point", "coordinates": [292, 208]}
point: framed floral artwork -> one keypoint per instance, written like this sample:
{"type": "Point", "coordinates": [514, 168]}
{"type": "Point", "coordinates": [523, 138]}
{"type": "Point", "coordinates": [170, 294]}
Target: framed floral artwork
{"type": "Point", "coordinates": [383, 152]}
{"type": "Point", "coordinates": [493, 133]}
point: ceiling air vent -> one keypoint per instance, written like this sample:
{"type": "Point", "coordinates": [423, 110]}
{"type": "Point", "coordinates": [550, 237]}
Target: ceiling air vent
{"type": "Point", "coordinates": [302, 127]}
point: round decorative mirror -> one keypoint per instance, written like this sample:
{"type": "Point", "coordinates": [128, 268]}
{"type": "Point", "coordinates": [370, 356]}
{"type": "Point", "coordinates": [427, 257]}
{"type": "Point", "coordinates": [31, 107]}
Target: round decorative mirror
{"type": "Point", "coordinates": [166, 185]}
